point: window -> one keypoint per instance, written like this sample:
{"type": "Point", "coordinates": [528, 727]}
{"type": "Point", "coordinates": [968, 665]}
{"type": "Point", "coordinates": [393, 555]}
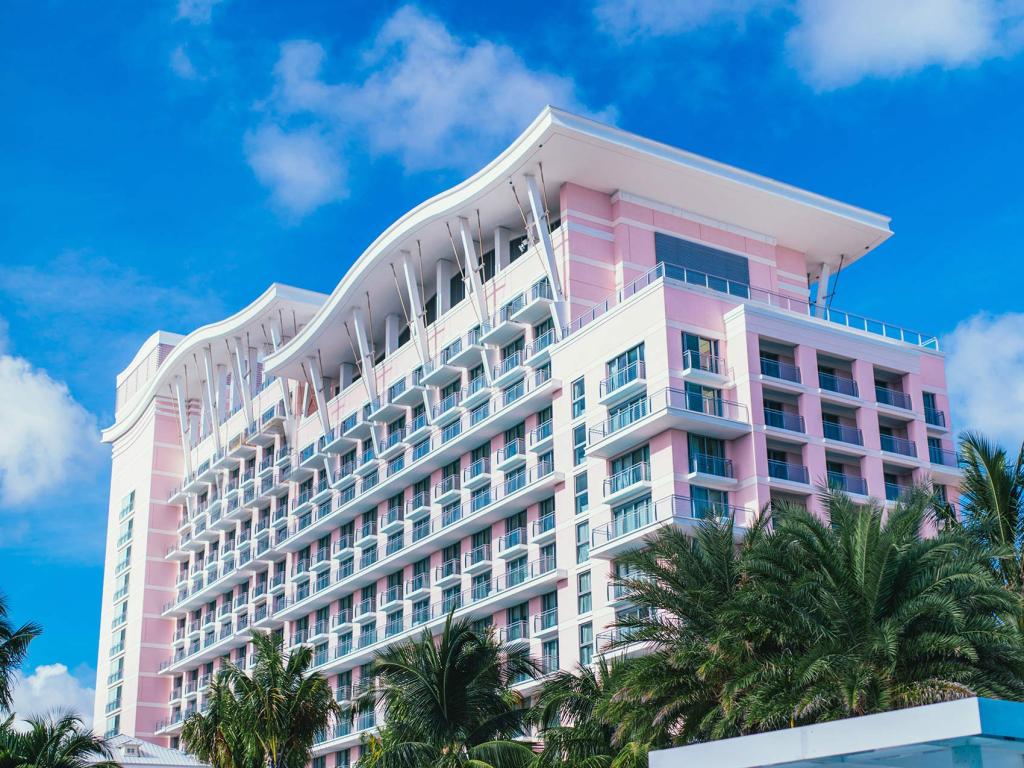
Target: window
{"type": "Point", "coordinates": [127, 504]}
{"type": "Point", "coordinates": [700, 353]}
{"type": "Point", "coordinates": [579, 398]}
{"type": "Point", "coordinates": [581, 495]}
{"type": "Point", "coordinates": [582, 542]}
{"type": "Point", "coordinates": [456, 289]}
{"type": "Point", "coordinates": [579, 444]}
{"type": "Point", "coordinates": [584, 602]}
{"type": "Point", "coordinates": [586, 643]}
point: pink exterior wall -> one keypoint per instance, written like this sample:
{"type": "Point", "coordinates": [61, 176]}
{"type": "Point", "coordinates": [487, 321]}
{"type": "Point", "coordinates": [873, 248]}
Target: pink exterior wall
{"type": "Point", "coordinates": [603, 244]}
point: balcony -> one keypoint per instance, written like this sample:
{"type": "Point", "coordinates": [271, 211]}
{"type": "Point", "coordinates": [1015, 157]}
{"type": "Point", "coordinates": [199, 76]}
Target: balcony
{"type": "Point", "coordinates": [627, 484]}
{"type": "Point", "coordinates": [842, 433]}
{"type": "Point", "coordinates": [935, 418]}
{"type": "Point", "coordinates": [535, 304]}
{"type": "Point", "coordinates": [945, 461]}
{"type": "Point", "coordinates": [545, 623]}
{"type": "Point", "coordinates": [391, 597]}
{"type": "Point", "coordinates": [626, 383]}
{"type": "Point", "coordinates": [417, 586]}
{"type": "Point", "coordinates": [703, 368]}
{"type": "Point", "coordinates": [840, 385]}
{"type": "Point", "coordinates": [780, 371]}
{"type": "Point", "coordinates": [394, 444]}
{"type": "Point", "coordinates": [788, 472]}
{"type": "Point", "coordinates": [447, 490]}
{"type": "Point", "coordinates": [509, 370]}
{"type": "Point", "coordinates": [514, 635]}
{"type": "Point", "coordinates": [896, 491]}
{"type": "Point", "coordinates": [711, 472]}
{"type": "Point", "coordinates": [512, 544]}
{"type": "Point", "coordinates": [898, 445]}
{"type": "Point", "coordinates": [541, 438]}
{"type": "Point", "coordinates": [667, 409]}
{"type": "Point", "coordinates": [475, 393]}
{"type": "Point", "coordinates": [418, 507]}
{"type": "Point", "coordinates": [502, 328]}
{"type": "Point", "coordinates": [539, 351]}
{"type": "Point", "coordinates": [631, 529]}
{"type": "Point", "coordinates": [477, 474]}
{"type": "Point", "coordinates": [477, 560]}
{"type": "Point", "coordinates": [511, 455]}
{"type": "Point", "coordinates": [893, 398]}
{"type": "Point", "coordinates": [448, 573]}
{"type": "Point", "coordinates": [851, 484]}
{"type": "Point", "coordinates": [784, 420]}
{"type": "Point", "coordinates": [448, 409]}
{"type": "Point", "coordinates": [542, 530]}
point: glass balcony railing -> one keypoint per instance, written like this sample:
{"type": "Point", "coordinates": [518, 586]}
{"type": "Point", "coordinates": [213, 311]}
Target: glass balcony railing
{"type": "Point", "coordinates": [843, 433]}
{"type": "Point", "coordinates": [935, 417]}
{"type": "Point", "coordinates": [662, 400]}
{"type": "Point", "coordinates": [642, 516]}
{"type": "Point", "coordinates": [703, 361]}
{"type": "Point", "coordinates": [784, 470]}
{"type": "Point", "coordinates": [620, 378]}
{"type": "Point", "coordinates": [626, 478]}
{"type": "Point", "coordinates": [899, 445]}
{"type": "Point", "coordinates": [778, 369]}
{"type": "Point", "coordinates": [840, 384]}
{"type": "Point", "coordinates": [841, 481]}
{"type": "Point", "coordinates": [706, 464]}
{"type": "Point", "coordinates": [893, 397]}
{"type": "Point", "coordinates": [791, 422]}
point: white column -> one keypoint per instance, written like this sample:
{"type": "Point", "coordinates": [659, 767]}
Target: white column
{"type": "Point", "coordinates": [243, 378]}
{"type": "Point", "coordinates": [443, 278]}
{"type": "Point", "coordinates": [210, 399]}
{"type": "Point", "coordinates": [346, 374]}
{"type": "Point", "coordinates": [473, 270]}
{"type": "Point", "coordinates": [365, 353]}
{"type": "Point", "coordinates": [183, 423]}
{"type": "Point", "coordinates": [318, 392]}
{"type": "Point", "coordinates": [502, 237]}
{"type": "Point", "coordinates": [392, 325]}
{"type": "Point", "coordinates": [547, 253]}
{"type": "Point", "coordinates": [412, 287]}
{"type": "Point", "coordinates": [826, 274]}
{"type": "Point", "coordinates": [275, 337]}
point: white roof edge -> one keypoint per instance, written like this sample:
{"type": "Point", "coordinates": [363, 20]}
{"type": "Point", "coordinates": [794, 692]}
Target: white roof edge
{"type": "Point", "coordinates": [276, 292]}
{"type": "Point", "coordinates": [550, 121]}
{"type": "Point", "coordinates": [635, 142]}
{"type": "Point", "coordinates": [157, 338]}
{"type": "Point", "coordinates": [932, 724]}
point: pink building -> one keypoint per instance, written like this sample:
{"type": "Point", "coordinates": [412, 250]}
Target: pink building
{"type": "Point", "coordinates": [616, 336]}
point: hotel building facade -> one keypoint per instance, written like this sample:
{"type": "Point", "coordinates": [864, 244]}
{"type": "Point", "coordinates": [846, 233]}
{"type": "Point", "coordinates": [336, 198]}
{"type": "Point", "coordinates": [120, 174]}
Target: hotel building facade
{"type": "Point", "coordinates": [595, 337]}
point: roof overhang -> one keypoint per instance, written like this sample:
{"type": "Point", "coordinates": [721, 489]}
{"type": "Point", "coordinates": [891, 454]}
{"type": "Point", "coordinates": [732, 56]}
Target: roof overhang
{"type": "Point", "coordinates": [607, 159]}
{"type": "Point", "coordinates": [937, 736]}
{"type": "Point", "coordinates": [293, 307]}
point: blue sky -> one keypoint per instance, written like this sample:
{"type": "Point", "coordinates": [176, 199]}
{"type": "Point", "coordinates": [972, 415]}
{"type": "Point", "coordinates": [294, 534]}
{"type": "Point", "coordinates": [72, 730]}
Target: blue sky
{"type": "Point", "coordinates": [162, 162]}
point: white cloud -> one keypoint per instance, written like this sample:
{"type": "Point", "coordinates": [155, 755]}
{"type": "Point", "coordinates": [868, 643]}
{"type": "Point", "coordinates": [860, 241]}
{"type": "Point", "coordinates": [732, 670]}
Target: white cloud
{"type": "Point", "coordinates": [428, 97]}
{"type": "Point", "coordinates": [182, 65]}
{"type": "Point", "coordinates": [51, 687]}
{"type": "Point", "coordinates": [197, 11]}
{"type": "Point", "coordinates": [985, 372]}
{"type": "Point", "coordinates": [628, 20]}
{"type": "Point", "coordinates": [47, 435]}
{"type": "Point", "coordinates": [301, 168]}
{"type": "Point", "coordinates": [837, 42]}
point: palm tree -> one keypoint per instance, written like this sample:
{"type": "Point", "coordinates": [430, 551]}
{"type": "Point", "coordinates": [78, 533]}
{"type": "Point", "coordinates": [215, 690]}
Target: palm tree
{"type": "Point", "coordinates": [58, 741]}
{"type": "Point", "coordinates": [993, 504]}
{"type": "Point", "coordinates": [583, 726]}
{"type": "Point", "coordinates": [873, 616]}
{"type": "Point", "coordinates": [13, 649]}
{"type": "Point", "coordinates": [449, 703]}
{"type": "Point", "coordinates": [270, 717]}
{"type": "Point", "coordinates": [687, 588]}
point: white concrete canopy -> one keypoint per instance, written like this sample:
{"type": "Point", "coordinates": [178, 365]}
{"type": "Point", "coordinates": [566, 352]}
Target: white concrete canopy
{"type": "Point", "coordinates": [975, 733]}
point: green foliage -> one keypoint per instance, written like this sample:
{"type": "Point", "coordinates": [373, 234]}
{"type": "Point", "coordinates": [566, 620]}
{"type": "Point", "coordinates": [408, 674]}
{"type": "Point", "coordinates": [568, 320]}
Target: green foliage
{"type": "Point", "coordinates": [269, 717]}
{"type": "Point", "coordinates": [448, 702]}
{"type": "Point", "coordinates": [14, 643]}
{"type": "Point", "coordinates": [797, 620]}
{"type": "Point", "coordinates": [58, 741]}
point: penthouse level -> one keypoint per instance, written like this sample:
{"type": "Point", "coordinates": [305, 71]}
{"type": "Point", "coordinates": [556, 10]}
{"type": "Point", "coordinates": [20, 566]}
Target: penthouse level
{"type": "Point", "coordinates": [592, 338]}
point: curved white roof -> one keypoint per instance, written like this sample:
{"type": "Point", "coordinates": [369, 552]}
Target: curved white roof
{"type": "Point", "coordinates": [604, 158]}
{"type": "Point", "coordinates": [293, 307]}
